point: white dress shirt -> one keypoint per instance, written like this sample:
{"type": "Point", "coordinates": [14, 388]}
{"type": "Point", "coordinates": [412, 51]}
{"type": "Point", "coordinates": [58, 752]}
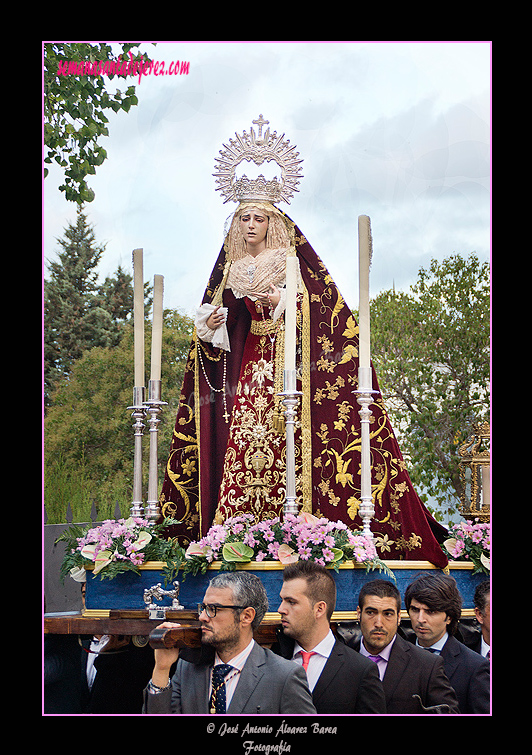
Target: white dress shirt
{"type": "Point", "coordinates": [318, 661]}
{"type": "Point", "coordinates": [438, 646]}
{"type": "Point", "coordinates": [95, 649]}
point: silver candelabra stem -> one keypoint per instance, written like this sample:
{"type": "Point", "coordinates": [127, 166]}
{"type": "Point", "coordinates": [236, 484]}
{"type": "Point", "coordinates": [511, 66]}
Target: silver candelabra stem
{"type": "Point", "coordinates": [154, 407]}
{"type": "Point", "coordinates": [364, 398]}
{"type": "Point", "coordinates": [290, 401]}
{"type": "Point", "coordinates": [139, 413]}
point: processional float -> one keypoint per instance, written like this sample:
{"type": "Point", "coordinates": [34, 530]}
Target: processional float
{"type": "Point", "coordinates": [258, 147]}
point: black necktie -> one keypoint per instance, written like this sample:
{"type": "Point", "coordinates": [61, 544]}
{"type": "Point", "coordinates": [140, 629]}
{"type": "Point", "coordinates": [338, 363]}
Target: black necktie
{"type": "Point", "coordinates": [219, 672]}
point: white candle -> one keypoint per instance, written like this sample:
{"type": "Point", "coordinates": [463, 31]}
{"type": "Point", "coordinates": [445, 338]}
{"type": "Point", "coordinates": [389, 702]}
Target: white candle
{"type": "Point", "coordinates": [157, 328]}
{"type": "Point", "coordinates": [138, 316]}
{"type": "Point", "coordinates": [364, 260]}
{"type": "Point", "coordinates": [290, 313]}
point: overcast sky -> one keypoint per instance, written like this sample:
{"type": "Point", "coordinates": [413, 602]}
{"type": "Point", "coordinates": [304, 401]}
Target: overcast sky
{"type": "Point", "coordinates": [397, 131]}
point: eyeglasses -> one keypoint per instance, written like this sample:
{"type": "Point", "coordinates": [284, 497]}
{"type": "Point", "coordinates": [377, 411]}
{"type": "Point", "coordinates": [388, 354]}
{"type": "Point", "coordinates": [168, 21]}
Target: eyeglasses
{"type": "Point", "coordinates": [212, 608]}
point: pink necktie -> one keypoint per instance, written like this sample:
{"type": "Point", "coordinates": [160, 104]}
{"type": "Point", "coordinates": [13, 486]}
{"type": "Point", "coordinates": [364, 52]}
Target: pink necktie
{"type": "Point", "coordinates": [306, 658]}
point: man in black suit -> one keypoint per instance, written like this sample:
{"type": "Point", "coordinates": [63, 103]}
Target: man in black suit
{"type": "Point", "coordinates": [434, 605]}
{"type": "Point", "coordinates": [481, 601]}
{"type": "Point", "coordinates": [341, 681]}
{"type": "Point", "coordinates": [414, 681]}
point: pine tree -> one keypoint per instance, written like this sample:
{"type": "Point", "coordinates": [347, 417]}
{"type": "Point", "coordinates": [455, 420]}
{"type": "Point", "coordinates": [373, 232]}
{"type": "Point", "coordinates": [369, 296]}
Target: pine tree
{"type": "Point", "coordinates": [116, 298]}
{"type": "Point", "coordinates": [78, 313]}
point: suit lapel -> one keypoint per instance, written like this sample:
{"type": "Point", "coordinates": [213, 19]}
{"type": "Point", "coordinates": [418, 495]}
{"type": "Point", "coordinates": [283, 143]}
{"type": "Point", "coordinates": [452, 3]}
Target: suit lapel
{"type": "Point", "coordinates": [249, 678]}
{"type": "Point", "coordinates": [397, 663]}
{"type": "Point", "coordinates": [331, 668]}
{"type": "Point", "coordinates": [451, 656]}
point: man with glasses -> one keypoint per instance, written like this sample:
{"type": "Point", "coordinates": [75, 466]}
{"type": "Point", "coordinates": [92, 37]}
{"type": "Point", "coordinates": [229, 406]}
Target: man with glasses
{"type": "Point", "coordinates": [232, 674]}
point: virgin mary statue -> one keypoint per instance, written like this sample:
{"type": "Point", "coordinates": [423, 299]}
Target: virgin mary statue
{"type": "Point", "coordinates": [228, 453]}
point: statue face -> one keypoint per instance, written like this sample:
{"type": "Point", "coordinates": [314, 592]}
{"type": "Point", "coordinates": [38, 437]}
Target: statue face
{"type": "Point", "coordinates": [254, 226]}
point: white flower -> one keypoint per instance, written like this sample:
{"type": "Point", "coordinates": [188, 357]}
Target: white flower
{"type": "Point", "coordinates": [88, 551]}
{"type": "Point", "coordinates": [78, 575]}
{"type": "Point", "coordinates": [102, 559]}
{"type": "Point", "coordinates": [287, 555]}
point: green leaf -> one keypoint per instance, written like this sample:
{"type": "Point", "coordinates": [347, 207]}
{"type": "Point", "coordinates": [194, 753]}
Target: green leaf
{"type": "Point", "coordinates": [237, 552]}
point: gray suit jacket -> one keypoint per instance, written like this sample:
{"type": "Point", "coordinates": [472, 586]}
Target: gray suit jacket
{"type": "Point", "coordinates": [268, 684]}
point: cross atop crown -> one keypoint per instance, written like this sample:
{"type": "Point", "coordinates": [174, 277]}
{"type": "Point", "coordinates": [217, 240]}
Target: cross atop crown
{"type": "Point", "coordinates": [260, 122]}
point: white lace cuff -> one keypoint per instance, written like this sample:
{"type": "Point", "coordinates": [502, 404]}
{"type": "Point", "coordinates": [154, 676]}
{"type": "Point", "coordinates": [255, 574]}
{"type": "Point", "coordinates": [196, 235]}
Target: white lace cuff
{"type": "Point", "coordinates": [281, 306]}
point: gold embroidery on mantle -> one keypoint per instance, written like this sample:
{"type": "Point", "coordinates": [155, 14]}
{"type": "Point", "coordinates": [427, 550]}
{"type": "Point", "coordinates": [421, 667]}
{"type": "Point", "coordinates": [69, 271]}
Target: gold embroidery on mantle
{"type": "Point", "coordinates": [339, 433]}
{"type": "Point", "coordinates": [306, 405]}
{"type": "Point", "coordinates": [184, 479]}
{"type": "Point", "coordinates": [254, 474]}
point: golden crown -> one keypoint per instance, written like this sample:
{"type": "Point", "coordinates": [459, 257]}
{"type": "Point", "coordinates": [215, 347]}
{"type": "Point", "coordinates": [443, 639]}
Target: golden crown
{"type": "Point", "coordinates": [258, 148]}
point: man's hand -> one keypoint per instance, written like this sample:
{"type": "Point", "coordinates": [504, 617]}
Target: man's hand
{"type": "Point", "coordinates": [164, 659]}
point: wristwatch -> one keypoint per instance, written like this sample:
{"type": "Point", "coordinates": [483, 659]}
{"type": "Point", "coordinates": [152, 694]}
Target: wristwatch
{"type": "Point", "coordinates": [155, 690]}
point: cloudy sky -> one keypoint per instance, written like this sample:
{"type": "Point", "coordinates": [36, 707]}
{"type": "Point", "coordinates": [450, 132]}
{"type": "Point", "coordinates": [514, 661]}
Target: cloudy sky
{"type": "Point", "coordinates": [397, 131]}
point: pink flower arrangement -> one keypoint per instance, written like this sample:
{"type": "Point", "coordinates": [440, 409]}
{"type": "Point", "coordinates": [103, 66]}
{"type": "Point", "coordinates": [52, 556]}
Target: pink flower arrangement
{"type": "Point", "coordinates": [241, 539]}
{"type": "Point", "coordinates": [115, 546]}
{"type": "Point", "coordinates": [470, 542]}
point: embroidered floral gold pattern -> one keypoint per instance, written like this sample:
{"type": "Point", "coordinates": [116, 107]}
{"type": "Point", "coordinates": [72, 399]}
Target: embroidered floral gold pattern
{"type": "Point", "coordinates": [254, 477]}
{"type": "Point", "coordinates": [338, 440]}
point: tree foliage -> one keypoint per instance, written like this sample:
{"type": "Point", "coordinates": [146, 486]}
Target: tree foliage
{"type": "Point", "coordinates": [430, 348]}
{"type": "Point", "coordinates": [88, 431]}
{"type": "Point", "coordinates": [79, 313]}
{"type": "Point", "coordinates": [75, 110]}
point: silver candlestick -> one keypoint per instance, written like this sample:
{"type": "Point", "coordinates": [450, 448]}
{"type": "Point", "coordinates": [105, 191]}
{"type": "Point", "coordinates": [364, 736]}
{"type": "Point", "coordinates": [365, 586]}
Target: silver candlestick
{"type": "Point", "coordinates": [154, 407]}
{"type": "Point", "coordinates": [290, 400]}
{"type": "Point", "coordinates": [139, 413]}
{"type": "Point", "coordinates": [364, 398]}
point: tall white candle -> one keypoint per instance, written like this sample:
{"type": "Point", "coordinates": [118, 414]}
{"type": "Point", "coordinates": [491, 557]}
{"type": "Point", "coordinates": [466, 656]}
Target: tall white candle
{"type": "Point", "coordinates": [290, 313]}
{"type": "Point", "coordinates": [138, 316]}
{"type": "Point", "coordinates": [157, 328]}
{"type": "Point", "coordinates": [364, 261]}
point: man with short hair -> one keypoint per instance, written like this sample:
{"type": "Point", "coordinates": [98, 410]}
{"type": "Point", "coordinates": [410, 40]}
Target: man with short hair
{"type": "Point", "coordinates": [481, 602]}
{"type": "Point", "coordinates": [233, 674]}
{"type": "Point", "coordinates": [414, 681]}
{"type": "Point", "coordinates": [340, 679]}
{"type": "Point", "coordinates": [434, 605]}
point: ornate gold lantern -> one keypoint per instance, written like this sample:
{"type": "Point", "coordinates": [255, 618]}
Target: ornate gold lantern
{"type": "Point", "coordinates": [475, 474]}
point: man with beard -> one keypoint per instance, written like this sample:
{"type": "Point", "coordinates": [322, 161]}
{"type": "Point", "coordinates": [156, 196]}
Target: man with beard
{"type": "Point", "coordinates": [234, 674]}
{"type": "Point", "coordinates": [414, 681]}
